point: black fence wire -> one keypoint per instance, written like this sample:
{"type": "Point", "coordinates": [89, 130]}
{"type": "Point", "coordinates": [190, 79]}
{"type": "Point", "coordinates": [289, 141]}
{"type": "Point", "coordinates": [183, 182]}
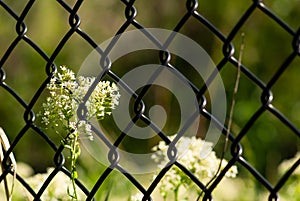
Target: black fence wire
{"type": "Point", "coordinates": [191, 11]}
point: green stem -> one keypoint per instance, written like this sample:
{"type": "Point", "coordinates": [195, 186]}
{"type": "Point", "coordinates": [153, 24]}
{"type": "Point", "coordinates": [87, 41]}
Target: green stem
{"type": "Point", "coordinates": [176, 192]}
{"type": "Point", "coordinates": [74, 148]}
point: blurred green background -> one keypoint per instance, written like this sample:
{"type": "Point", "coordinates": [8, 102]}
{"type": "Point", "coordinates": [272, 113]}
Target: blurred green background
{"type": "Point", "coordinates": [267, 45]}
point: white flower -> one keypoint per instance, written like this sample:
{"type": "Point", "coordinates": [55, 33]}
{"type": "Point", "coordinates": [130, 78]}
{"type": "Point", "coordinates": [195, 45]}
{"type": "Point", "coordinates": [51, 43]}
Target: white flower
{"type": "Point", "coordinates": [190, 151]}
{"type": "Point", "coordinates": [60, 108]}
{"type": "Point", "coordinates": [67, 92]}
{"type": "Point", "coordinates": [85, 129]}
{"type": "Point", "coordinates": [55, 190]}
{"type": "Point", "coordinates": [137, 197]}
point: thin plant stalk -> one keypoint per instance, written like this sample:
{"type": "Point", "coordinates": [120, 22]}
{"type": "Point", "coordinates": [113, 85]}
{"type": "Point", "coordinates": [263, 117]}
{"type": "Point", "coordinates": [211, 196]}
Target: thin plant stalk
{"type": "Point", "coordinates": [233, 101]}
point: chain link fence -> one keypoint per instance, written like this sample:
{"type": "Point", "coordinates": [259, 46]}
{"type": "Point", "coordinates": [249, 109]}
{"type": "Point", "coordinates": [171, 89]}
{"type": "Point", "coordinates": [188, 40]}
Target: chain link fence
{"type": "Point", "coordinates": [188, 18]}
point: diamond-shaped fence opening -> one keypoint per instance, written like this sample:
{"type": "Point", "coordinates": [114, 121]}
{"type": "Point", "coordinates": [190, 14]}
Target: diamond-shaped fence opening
{"type": "Point", "coordinates": [258, 40]}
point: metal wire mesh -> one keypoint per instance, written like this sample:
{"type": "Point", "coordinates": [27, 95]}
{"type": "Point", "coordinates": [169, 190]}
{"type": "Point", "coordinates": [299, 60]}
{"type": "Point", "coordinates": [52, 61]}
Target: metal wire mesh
{"type": "Point", "coordinates": [191, 11]}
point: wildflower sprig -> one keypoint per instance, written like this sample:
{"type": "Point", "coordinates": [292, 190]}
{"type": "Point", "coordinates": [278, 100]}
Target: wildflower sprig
{"type": "Point", "coordinates": [189, 151]}
{"type": "Point", "coordinates": [60, 110]}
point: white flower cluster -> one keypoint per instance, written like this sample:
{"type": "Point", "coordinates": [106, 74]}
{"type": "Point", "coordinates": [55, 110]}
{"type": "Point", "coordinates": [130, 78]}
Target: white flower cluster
{"type": "Point", "coordinates": [189, 154]}
{"type": "Point", "coordinates": [60, 110]}
{"type": "Point", "coordinates": [56, 190]}
{"type": "Point", "coordinates": [137, 197]}
{"type": "Point", "coordinates": [67, 92]}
